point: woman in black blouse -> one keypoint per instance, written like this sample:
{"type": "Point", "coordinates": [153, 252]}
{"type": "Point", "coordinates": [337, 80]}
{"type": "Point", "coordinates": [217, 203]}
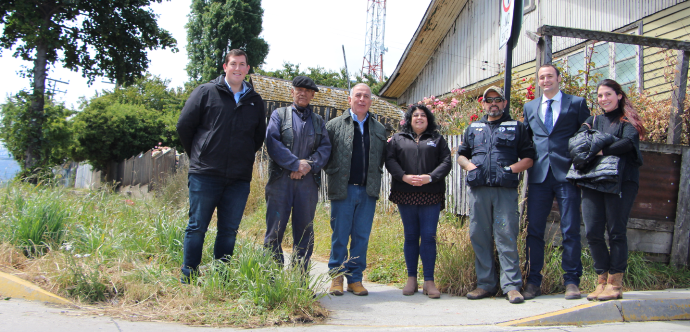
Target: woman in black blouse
{"type": "Point", "coordinates": [418, 160]}
{"type": "Point", "coordinates": [605, 212]}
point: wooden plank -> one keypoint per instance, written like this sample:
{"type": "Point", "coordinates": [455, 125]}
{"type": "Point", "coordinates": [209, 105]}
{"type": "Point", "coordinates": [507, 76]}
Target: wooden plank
{"type": "Point", "coordinates": [661, 148]}
{"type": "Point", "coordinates": [675, 122]}
{"type": "Point", "coordinates": [649, 241]}
{"type": "Point", "coordinates": [681, 233]}
{"type": "Point", "coordinates": [651, 225]}
{"type": "Point", "coordinates": [613, 37]}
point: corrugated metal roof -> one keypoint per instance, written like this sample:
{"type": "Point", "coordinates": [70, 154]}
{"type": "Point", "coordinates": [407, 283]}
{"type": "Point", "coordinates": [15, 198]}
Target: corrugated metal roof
{"type": "Point", "coordinates": [439, 17]}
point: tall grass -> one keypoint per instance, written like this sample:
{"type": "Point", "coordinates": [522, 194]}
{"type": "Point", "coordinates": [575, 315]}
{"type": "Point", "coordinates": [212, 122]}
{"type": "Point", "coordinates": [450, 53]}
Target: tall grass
{"type": "Point", "coordinates": [122, 255]}
{"type": "Point", "coordinates": [38, 223]}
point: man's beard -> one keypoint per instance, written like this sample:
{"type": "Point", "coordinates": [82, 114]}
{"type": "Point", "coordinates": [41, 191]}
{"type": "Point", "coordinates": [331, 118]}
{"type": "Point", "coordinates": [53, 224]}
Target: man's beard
{"type": "Point", "coordinates": [496, 113]}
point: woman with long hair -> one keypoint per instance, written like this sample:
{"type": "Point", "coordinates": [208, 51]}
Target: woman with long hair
{"type": "Point", "coordinates": [606, 212]}
{"type": "Point", "coordinates": [418, 159]}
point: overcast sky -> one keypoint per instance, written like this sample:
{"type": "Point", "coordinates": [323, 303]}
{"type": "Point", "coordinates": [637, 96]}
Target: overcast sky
{"type": "Point", "coordinates": [306, 32]}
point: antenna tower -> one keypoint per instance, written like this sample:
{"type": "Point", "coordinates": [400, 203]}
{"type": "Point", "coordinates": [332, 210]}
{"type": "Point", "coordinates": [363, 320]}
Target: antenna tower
{"type": "Point", "coordinates": [373, 46]}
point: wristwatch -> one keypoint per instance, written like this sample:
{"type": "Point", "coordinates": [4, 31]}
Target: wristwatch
{"type": "Point", "coordinates": [508, 169]}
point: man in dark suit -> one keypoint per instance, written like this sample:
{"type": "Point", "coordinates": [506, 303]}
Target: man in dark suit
{"type": "Point", "coordinates": [552, 119]}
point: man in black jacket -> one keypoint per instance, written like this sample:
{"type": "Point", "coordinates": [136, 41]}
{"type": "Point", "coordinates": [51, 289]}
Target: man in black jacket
{"type": "Point", "coordinates": [499, 149]}
{"type": "Point", "coordinates": [221, 127]}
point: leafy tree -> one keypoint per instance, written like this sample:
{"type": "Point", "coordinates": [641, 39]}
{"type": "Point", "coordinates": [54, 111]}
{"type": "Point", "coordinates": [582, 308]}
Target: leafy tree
{"type": "Point", "coordinates": [107, 132]}
{"type": "Point", "coordinates": [118, 124]}
{"type": "Point", "coordinates": [57, 131]}
{"type": "Point", "coordinates": [99, 37]}
{"type": "Point", "coordinates": [218, 26]}
{"type": "Point", "coordinates": [322, 76]}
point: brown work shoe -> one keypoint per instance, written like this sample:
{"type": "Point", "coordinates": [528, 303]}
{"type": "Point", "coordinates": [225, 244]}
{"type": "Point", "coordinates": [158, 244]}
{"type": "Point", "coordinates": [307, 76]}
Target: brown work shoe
{"type": "Point", "coordinates": [572, 292]}
{"type": "Point", "coordinates": [601, 284]}
{"type": "Point", "coordinates": [336, 286]}
{"type": "Point", "coordinates": [514, 297]}
{"type": "Point", "coordinates": [531, 291]}
{"type": "Point", "coordinates": [477, 294]}
{"type": "Point", "coordinates": [357, 288]}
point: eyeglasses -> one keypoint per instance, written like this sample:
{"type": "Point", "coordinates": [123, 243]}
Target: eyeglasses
{"type": "Point", "coordinates": [490, 100]}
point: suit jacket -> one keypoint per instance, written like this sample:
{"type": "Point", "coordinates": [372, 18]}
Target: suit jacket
{"type": "Point", "coordinates": [552, 149]}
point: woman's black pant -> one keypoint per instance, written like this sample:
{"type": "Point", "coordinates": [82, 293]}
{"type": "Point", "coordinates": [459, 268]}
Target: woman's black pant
{"type": "Point", "coordinates": [604, 212]}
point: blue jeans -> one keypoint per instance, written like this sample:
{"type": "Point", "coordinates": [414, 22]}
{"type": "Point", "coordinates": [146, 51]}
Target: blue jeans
{"type": "Point", "coordinates": [351, 220]}
{"type": "Point", "coordinates": [206, 193]}
{"type": "Point", "coordinates": [420, 222]}
{"type": "Point", "coordinates": [539, 203]}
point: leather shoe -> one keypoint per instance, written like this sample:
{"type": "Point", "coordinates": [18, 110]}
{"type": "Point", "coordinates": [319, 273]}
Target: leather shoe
{"type": "Point", "coordinates": [531, 291]}
{"type": "Point", "coordinates": [411, 287]}
{"type": "Point", "coordinates": [477, 294]}
{"type": "Point", "coordinates": [514, 297]}
{"type": "Point", "coordinates": [572, 292]}
{"type": "Point", "coordinates": [336, 286]}
{"type": "Point", "coordinates": [357, 289]}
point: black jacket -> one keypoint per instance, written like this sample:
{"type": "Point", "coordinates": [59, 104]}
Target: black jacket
{"type": "Point", "coordinates": [430, 156]}
{"type": "Point", "coordinates": [220, 136]}
{"type": "Point", "coordinates": [585, 145]}
{"type": "Point", "coordinates": [626, 146]}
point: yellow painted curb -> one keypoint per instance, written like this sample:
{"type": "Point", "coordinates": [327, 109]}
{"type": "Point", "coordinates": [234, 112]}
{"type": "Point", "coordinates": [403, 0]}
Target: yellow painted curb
{"type": "Point", "coordinates": [11, 286]}
{"type": "Point", "coordinates": [518, 322]}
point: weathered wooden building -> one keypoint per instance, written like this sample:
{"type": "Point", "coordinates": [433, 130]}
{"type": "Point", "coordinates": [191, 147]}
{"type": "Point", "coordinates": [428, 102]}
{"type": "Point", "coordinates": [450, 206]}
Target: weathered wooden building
{"type": "Point", "coordinates": [456, 43]}
{"type": "Point", "coordinates": [456, 46]}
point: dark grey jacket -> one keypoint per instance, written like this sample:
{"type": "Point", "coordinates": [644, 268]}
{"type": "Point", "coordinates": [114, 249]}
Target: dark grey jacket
{"type": "Point", "coordinates": [340, 131]}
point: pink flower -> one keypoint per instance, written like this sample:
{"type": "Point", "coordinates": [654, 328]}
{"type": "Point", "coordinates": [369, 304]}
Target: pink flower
{"type": "Point", "coordinates": [523, 79]}
{"type": "Point", "coordinates": [463, 91]}
{"type": "Point", "coordinates": [480, 99]}
{"type": "Point", "coordinates": [159, 143]}
{"type": "Point", "coordinates": [402, 122]}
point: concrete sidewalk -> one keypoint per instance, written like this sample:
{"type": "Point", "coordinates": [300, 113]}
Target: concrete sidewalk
{"type": "Point", "coordinates": [385, 306]}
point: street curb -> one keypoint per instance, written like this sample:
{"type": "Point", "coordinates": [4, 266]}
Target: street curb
{"type": "Point", "coordinates": [611, 312]}
{"type": "Point", "coordinates": [11, 286]}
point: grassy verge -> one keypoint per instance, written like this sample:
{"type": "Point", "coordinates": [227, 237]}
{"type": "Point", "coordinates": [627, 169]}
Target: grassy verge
{"type": "Point", "coordinates": [121, 256]}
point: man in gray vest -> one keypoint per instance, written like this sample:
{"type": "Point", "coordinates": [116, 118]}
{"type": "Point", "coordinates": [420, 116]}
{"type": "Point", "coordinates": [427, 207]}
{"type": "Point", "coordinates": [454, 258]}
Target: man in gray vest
{"type": "Point", "coordinates": [298, 146]}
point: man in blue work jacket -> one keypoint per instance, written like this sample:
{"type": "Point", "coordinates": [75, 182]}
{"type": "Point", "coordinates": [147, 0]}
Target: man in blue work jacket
{"type": "Point", "coordinates": [298, 146]}
{"type": "Point", "coordinates": [494, 151]}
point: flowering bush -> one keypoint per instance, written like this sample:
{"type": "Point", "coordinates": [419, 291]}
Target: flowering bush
{"type": "Point", "coordinates": [458, 109]}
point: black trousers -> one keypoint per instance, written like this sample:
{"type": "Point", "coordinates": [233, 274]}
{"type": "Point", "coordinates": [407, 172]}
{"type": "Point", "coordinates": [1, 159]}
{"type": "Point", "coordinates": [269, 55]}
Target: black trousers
{"type": "Point", "coordinates": [604, 212]}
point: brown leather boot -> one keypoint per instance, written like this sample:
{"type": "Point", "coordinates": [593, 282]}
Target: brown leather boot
{"type": "Point", "coordinates": [601, 284]}
{"type": "Point", "coordinates": [411, 287]}
{"type": "Point", "coordinates": [336, 286]}
{"type": "Point", "coordinates": [613, 289]}
{"type": "Point", "coordinates": [430, 289]}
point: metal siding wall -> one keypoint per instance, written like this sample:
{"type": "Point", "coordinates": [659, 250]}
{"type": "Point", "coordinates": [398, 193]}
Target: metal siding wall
{"type": "Point", "coordinates": [457, 60]}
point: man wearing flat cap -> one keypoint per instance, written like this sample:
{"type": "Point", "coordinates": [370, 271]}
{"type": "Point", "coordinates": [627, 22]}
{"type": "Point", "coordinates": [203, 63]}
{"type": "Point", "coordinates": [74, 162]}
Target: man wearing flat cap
{"type": "Point", "coordinates": [494, 151]}
{"type": "Point", "coordinates": [298, 148]}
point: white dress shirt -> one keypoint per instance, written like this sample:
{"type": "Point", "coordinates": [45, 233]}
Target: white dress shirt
{"type": "Point", "coordinates": [555, 107]}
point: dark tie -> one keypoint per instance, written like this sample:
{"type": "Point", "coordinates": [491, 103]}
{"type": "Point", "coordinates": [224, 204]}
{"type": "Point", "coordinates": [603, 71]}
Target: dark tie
{"type": "Point", "coordinates": [548, 117]}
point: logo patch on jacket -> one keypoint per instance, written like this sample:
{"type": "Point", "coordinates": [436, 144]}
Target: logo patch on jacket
{"type": "Point", "coordinates": [431, 143]}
